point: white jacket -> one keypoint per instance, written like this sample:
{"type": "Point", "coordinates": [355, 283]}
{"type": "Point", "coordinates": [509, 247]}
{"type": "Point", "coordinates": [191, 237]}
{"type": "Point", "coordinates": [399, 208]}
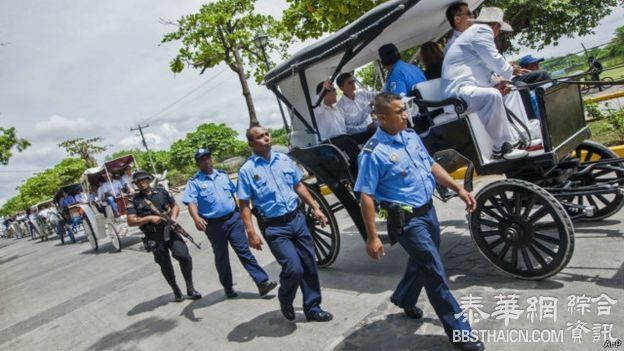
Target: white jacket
{"type": "Point", "coordinates": [471, 60]}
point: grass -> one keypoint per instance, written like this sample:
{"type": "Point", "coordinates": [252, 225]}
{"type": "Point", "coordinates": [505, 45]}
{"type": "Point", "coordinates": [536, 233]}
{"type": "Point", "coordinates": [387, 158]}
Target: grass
{"type": "Point", "coordinates": [616, 74]}
{"type": "Point", "coordinates": [603, 133]}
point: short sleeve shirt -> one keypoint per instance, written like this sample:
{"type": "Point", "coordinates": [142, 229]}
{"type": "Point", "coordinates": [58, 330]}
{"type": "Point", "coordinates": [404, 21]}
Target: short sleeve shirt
{"type": "Point", "coordinates": [212, 193]}
{"type": "Point", "coordinates": [402, 78]}
{"type": "Point", "coordinates": [396, 168]}
{"type": "Point", "coordinates": [270, 184]}
{"type": "Point", "coordinates": [162, 200]}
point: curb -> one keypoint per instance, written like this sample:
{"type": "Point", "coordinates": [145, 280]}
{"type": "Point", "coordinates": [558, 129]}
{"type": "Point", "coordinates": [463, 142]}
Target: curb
{"type": "Point", "coordinates": [604, 97]}
{"type": "Point", "coordinates": [460, 173]}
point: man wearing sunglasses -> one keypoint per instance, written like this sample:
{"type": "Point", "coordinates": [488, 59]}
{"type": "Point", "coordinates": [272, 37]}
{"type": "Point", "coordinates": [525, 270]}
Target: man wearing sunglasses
{"type": "Point", "coordinates": [458, 15]}
{"type": "Point", "coordinates": [355, 106]}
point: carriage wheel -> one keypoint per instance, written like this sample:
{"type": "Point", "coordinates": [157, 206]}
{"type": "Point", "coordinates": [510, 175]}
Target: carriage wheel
{"type": "Point", "coordinates": [522, 229]}
{"type": "Point", "coordinates": [114, 235]}
{"type": "Point", "coordinates": [90, 234]}
{"type": "Point", "coordinates": [606, 205]}
{"type": "Point", "coordinates": [326, 239]}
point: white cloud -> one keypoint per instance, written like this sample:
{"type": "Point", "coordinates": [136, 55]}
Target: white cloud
{"type": "Point", "coordinates": [59, 124]}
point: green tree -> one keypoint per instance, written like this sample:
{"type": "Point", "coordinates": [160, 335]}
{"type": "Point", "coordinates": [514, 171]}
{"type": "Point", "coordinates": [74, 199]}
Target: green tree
{"type": "Point", "coordinates": [616, 46]}
{"type": "Point", "coordinates": [279, 136]}
{"type": "Point", "coordinates": [535, 23]}
{"type": "Point", "coordinates": [84, 148]}
{"type": "Point", "coordinates": [219, 138]}
{"type": "Point", "coordinates": [8, 141]}
{"type": "Point", "coordinates": [223, 31]}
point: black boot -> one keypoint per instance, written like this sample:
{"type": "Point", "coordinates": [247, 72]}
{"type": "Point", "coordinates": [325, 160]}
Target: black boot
{"type": "Point", "coordinates": [177, 294]}
{"type": "Point", "coordinates": [191, 292]}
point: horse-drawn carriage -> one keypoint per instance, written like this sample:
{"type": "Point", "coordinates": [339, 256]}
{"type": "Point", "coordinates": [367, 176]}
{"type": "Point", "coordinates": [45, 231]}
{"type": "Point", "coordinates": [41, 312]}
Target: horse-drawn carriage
{"type": "Point", "coordinates": [522, 224]}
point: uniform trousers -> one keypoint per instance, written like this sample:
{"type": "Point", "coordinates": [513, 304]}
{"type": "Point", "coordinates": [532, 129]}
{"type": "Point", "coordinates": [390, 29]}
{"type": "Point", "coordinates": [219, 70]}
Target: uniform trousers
{"type": "Point", "coordinates": [421, 240]}
{"type": "Point", "coordinates": [293, 247]}
{"type": "Point", "coordinates": [488, 104]}
{"type": "Point", "coordinates": [180, 252]}
{"type": "Point", "coordinates": [232, 230]}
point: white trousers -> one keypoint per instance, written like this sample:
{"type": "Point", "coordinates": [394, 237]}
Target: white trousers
{"type": "Point", "coordinates": [514, 103]}
{"type": "Point", "coordinates": [488, 104]}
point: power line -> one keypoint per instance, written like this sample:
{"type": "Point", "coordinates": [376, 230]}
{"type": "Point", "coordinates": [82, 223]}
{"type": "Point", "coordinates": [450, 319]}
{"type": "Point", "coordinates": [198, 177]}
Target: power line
{"type": "Point", "coordinates": [185, 96]}
{"type": "Point", "coordinates": [149, 154]}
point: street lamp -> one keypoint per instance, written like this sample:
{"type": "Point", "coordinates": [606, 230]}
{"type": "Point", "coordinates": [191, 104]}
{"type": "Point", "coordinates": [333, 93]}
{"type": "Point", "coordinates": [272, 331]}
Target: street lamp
{"type": "Point", "coordinates": [262, 40]}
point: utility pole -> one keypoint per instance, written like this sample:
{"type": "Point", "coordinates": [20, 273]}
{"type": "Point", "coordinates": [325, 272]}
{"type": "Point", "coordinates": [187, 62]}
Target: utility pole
{"type": "Point", "coordinates": [149, 153]}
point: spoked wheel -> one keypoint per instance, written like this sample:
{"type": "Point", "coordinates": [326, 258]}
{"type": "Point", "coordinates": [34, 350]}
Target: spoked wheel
{"type": "Point", "coordinates": [607, 80]}
{"type": "Point", "coordinates": [114, 235]}
{"type": "Point", "coordinates": [608, 204]}
{"type": "Point", "coordinates": [90, 234]}
{"type": "Point", "coordinates": [326, 239]}
{"type": "Point", "coordinates": [522, 229]}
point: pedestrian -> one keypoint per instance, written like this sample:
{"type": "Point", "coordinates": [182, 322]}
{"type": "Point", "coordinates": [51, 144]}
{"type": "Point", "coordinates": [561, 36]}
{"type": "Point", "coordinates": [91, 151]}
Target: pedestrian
{"type": "Point", "coordinates": [272, 181]}
{"type": "Point", "coordinates": [157, 239]}
{"type": "Point", "coordinates": [209, 195]}
{"type": "Point", "coordinates": [398, 173]}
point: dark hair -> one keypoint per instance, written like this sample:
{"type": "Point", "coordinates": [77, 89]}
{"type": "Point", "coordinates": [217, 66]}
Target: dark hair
{"type": "Point", "coordinates": [454, 10]}
{"type": "Point", "coordinates": [248, 134]}
{"type": "Point", "coordinates": [342, 78]}
{"type": "Point", "coordinates": [319, 87]}
{"type": "Point", "coordinates": [388, 54]}
{"type": "Point", "coordinates": [590, 58]}
{"type": "Point", "coordinates": [383, 101]}
{"type": "Point", "coordinates": [431, 54]}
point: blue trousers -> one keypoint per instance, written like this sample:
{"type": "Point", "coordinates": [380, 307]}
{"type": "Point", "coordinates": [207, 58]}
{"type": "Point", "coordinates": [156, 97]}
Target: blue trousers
{"type": "Point", "coordinates": [61, 229]}
{"type": "Point", "coordinates": [421, 240]}
{"type": "Point", "coordinates": [111, 202]}
{"type": "Point", "coordinates": [293, 247]}
{"type": "Point", "coordinates": [233, 231]}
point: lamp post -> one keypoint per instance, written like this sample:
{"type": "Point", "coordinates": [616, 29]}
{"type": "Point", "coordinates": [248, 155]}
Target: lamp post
{"type": "Point", "coordinates": [262, 40]}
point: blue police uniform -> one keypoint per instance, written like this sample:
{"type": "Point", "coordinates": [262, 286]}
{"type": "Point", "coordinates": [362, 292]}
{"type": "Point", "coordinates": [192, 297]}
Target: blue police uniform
{"type": "Point", "coordinates": [397, 168]}
{"type": "Point", "coordinates": [270, 186]}
{"type": "Point", "coordinates": [213, 195]}
{"type": "Point", "coordinates": [402, 78]}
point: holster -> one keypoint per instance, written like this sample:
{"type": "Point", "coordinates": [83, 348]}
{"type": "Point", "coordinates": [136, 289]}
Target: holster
{"type": "Point", "coordinates": [148, 244]}
{"type": "Point", "coordinates": [395, 220]}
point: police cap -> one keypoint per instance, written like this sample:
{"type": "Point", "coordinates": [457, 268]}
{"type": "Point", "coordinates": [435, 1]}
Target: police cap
{"type": "Point", "coordinates": [201, 153]}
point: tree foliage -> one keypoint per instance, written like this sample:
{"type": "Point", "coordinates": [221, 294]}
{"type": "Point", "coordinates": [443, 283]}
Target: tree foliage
{"type": "Point", "coordinates": [84, 148]}
{"type": "Point", "coordinates": [223, 31]}
{"type": "Point", "coordinates": [42, 186]}
{"type": "Point", "coordinates": [161, 158]}
{"type": "Point", "coordinates": [8, 141]}
{"type": "Point", "coordinates": [219, 138]}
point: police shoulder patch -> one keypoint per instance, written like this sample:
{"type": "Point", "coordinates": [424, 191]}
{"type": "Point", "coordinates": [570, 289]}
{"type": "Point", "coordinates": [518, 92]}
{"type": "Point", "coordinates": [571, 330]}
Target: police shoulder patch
{"type": "Point", "coordinates": [370, 145]}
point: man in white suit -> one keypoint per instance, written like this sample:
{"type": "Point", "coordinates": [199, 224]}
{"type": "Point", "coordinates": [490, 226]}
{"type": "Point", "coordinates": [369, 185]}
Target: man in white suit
{"type": "Point", "coordinates": [466, 73]}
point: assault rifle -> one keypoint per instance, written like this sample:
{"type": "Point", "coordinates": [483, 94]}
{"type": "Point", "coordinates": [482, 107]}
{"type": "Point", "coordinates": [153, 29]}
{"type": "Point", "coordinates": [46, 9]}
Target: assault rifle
{"type": "Point", "coordinates": [172, 225]}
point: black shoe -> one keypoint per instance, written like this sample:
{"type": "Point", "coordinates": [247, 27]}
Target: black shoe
{"type": "Point", "coordinates": [470, 346]}
{"type": "Point", "coordinates": [178, 294]}
{"type": "Point", "coordinates": [193, 294]}
{"type": "Point", "coordinates": [230, 293]}
{"type": "Point", "coordinates": [265, 287]}
{"type": "Point", "coordinates": [320, 316]}
{"type": "Point", "coordinates": [288, 312]}
{"type": "Point", "coordinates": [413, 312]}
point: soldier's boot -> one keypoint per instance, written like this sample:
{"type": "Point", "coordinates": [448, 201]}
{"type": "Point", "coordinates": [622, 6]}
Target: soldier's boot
{"type": "Point", "coordinates": [177, 293]}
{"type": "Point", "coordinates": [191, 292]}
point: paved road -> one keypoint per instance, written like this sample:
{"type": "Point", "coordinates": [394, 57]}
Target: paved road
{"type": "Point", "coordinates": [67, 297]}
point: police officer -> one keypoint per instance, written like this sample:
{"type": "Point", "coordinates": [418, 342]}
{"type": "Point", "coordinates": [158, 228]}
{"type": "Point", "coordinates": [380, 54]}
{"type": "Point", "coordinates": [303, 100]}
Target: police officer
{"type": "Point", "coordinates": [210, 200]}
{"type": "Point", "coordinates": [157, 239]}
{"type": "Point", "coordinates": [396, 168]}
{"type": "Point", "coordinates": [273, 183]}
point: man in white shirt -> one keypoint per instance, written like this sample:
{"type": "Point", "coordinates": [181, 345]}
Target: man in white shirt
{"type": "Point", "coordinates": [355, 107]}
{"type": "Point", "coordinates": [458, 15]}
{"type": "Point", "coordinates": [466, 73]}
{"type": "Point", "coordinates": [109, 189]}
{"type": "Point", "coordinates": [331, 124]}
{"type": "Point", "coordinates": [126, 180]}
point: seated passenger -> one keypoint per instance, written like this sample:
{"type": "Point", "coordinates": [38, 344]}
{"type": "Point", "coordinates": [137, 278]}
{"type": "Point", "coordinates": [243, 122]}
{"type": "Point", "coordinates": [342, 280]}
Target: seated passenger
{"type": "Point", "coordinates": [109, 189]}
{"type": "Point", "coordinates": [466, 72]}
{"type": "Point", "coordinates": [331, 124]}
{"type": "Point", "coordinates": [431, 57]}
{"type": "Point", "coordinates": [458, 16]}
{"type": "Point", "coordinates": [126, 180]}
{"type": "Point", "coordinates": [401, 75]}
{"type": "Point", "coordinates": [536, 74]}
{"type": "Point", "coordinates": [355, 107]}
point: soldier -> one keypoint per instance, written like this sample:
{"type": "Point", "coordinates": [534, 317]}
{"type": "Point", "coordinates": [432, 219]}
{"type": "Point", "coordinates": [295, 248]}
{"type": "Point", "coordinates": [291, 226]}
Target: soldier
{"type": "Point", "coordinates": [273, 183]}
{"type": "Point", "coordinates": [158, 240]}
{"type": "Point", "coordinates": [209, 197]}
{"type": "Point", "coordinates": [397, 171]}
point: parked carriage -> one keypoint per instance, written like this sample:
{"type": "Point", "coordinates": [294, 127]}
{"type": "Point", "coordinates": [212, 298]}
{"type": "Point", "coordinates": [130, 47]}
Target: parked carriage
{"type": "Point", "coordinates": [523, 224]}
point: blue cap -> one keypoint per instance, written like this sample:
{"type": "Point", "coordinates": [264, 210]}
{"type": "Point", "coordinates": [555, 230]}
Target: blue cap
{"type": "Point", "coordinates": [201, 153]}
{"type": "Point", "coordinates": [528, 59]}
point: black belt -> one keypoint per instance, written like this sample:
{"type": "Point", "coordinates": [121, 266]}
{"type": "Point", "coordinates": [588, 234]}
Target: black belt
{"type": "Point", "coordinates": [222, 218]}
{"type": "Point", "coordinates": [419, 211]}
{"type": "Point", "coordinates": [282, 219]}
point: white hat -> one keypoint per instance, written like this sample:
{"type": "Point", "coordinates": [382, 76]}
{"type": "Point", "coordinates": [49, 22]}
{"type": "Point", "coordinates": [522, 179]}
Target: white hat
{"type": "Point", "coordinates": [492, 15]}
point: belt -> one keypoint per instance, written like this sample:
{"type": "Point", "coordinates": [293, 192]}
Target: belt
{"type": "Point", "coordinates": [282, 219]}
{"type": "Point", "coordinates": [222, 218]}
{"type": "Point", "coordinates": [419, 211]}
